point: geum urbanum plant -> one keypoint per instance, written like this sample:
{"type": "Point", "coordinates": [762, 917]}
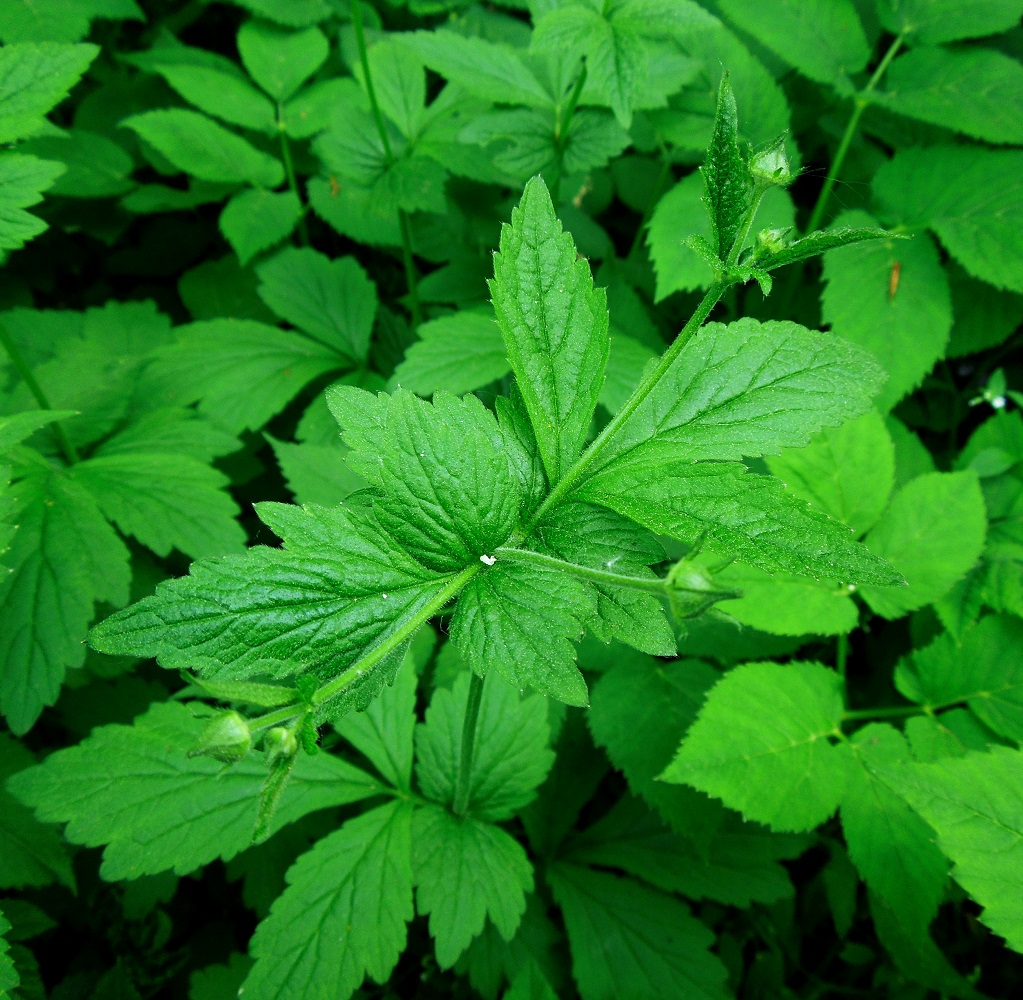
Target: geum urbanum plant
{"type": "Point", "coordinates": [535, 535]}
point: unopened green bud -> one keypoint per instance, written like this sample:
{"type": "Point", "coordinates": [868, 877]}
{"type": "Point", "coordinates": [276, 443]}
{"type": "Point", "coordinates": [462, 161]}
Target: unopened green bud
{"type": "Point", "coordinates": [692, 590]}
{"type": "Point", "coordinates": [225, 737]}
{"type": "Point", "coordinates": [279, 744]}
{"type": "Point", "coordinates": [771, 166]}
{"type": "Point", "coordinates": [770, 241]}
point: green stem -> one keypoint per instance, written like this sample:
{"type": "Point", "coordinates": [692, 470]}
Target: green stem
{"type": "Point", "coordinates": [289, 170]}
{"type": "Point", "coordinates": [860, 102]}
{"type": "Point", "coordinates": [649, 585]}
{"type": "Point", "coordinates": [842, 655]}
{"type": "Point", "coordinates": [895, 712]}
{"type": "Point", "coordinates": [747, 224]}
{"type": "Point", "coordinates": [19, 362]}
{"type": "Point", "coordinates": [561, 126]}
{"type": "Point", "coordinates": [574, 475]}
{"type": "Point", "coordinates": [463, 783]}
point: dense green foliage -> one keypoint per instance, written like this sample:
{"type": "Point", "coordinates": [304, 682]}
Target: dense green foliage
{"type": "Point", "coordinates": [492, 506]}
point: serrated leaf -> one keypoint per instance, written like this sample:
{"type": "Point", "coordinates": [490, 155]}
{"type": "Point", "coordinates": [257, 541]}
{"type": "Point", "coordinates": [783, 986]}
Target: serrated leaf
{"type": "Point", "coordinates": [198, 146]}
{"type": "Point", "coordinates": [333, 301]}
{"type": "Point", "coordinates": [168, 430]}
{"type": "Point", "coordinates": [823, 39]}
{"type": "Point", "coordinates": [629, 941]}
{"type": "Point", "coordinates": [892, 848]}
{"type": "Point", "coordinates": [762, 744]}
{"type": "Point", "coordinates": [466, 872]}
{"type": "Point", "coordinates": [890, 297]}
{"type": "Point", "coordinates": [23, 179]}
{"type": "Point", "coordinates": [166, 501]}
{"type": "Point", "coordinates": [95, 166]}
{"type": "Point", "coordinates": [9, 978]}
{"type": "Point", "coordinates": [241, 372]}
{"type": "Point", "coordinates": [815, 244]}
{"type": "Point", "coordinates": [726, 178]}
{"type": "Point", "coordinates": [932, 533]}
{"type": "Point", "coordinates": [135, 790]}
{"type": "Point", "coordinates": [280, 61]}
{"type": "Point", "coordinates": [18, 426]}
{"type": "Point", "coordinates": [34, 78]}
{"type": "Point", "coordinates": [975, 806]}
{"type": "Point", "coordinates": [353, 889]}
{"type": "Point", "coordinates": [974, 91]}
{"type": "Point", "coordinates": [554, 324]}
{"type": "Point", "coordinates": [60, 20]}
{"type": "Point", "coordinates": [931, 21]}
{"type": "Point", "coordinates": [511, 758]}
{"type": "Point", "coordinates": [64, 558]}
{"type": "Point", "coordinates": [338, 588]}
{"type": "Point", "coordinates": [983, 670]}
{"type": "Point", "coordinates": [316, 473]}
{"type": "Point", "coordinates": [254, 220]}
{"type": "Point", "coordinates": [224, 95]}
{"type": "Point", "coordinates": [292, 13]}
{"type": "Point", "coordinates": [970, 197]}
{"type": "Point", "coordinates": [520, 620]}
{"type": "Point", "coordinates": [447, 489]}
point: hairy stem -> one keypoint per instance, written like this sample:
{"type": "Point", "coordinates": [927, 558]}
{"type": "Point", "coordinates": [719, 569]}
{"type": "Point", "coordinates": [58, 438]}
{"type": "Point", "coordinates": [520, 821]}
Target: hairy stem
{"type": "Point", "coordinates": [650, 585]}
{"type": "Point", "coordinates": [463, 783]}
{"type": "Point", "coordinates": [289, 170]}
{"type": "Point", "coordinates": [860, 102]}
{"type": "Point", "coordinates": [19, 362]}
{"type": "Point", "coordinates": [574, 476]}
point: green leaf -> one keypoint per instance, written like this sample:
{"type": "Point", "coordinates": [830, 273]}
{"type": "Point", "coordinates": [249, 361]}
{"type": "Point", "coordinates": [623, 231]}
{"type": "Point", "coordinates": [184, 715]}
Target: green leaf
{"type": "Point", "coordinates": [762, 744]}
{"type": "Point", "coordinates": [932, 533]}
{"type": "Point", "coordinates": [748, 389]}
{"type": "Point", "coordinates": [511, 758]}
{"type": "Point", "coordinates": [9, 978]}
{"type": "Point", "coordinates": [166, 501]}
{"type": "Point", "coordinates": [31, 853]}
{"type": "Point", "coordinates": [354, 890]}
{"type": "Point", "coordinates": [848, 471]}
{"type": "Point", "coordinates": [64, 558]}
{"type": "Point", "coordinates": [280, 61]}
{"type": "Point", "coordinates": [931, 21]}
{"type": "Point", "coordinates": [728, 189]}
{"type": "Point", "coordinates": [96, 167]}
{"type": "Point", "coordinates": [254, 221]}
{"type": "Point", "coordinates": [22, 181]}
{"type": "Point", "coordinates": [970, 197]}
{"type": "Point", "coordinates": [974, 91]}
{"type": "Point", "coordinates": [60, 20]}
{"type": "Point", "coordinates": [35, 78]}
{"type": "Point", "coordinates": [292, 13]}
{"type": "Point", "coordinates": [890, 297]}
{"type": "Point", "coordinates": [983, 316]}
{"type": "Point", "coordinates": [890, 845]}
{"type": "Point", "coordinates": [18, 426]}
{"type": "Point", "coordinates": [225, 95]}
{"type": "Point", "coordinates": [241, 372]}
{"type": "Point", "coordinates": [554, 324]}
{"type": "Point", "coordinates": [340, 587]}
{"type": "Point", "coordinates": [333, 301]}
{"type": "Point", "coordinates": [748, 516]}
{"type": "Point", "coordinates": [823, 39]}
{"type": "Point", "coordinates": [984, 671]}
{"type": "Point", "coordinates": [197, 145]}
{"type": "Point", "coordinates": [465, 872]}
{"type": "Point", "coordinates": [629, 941]}
{"type": "Point", "coordinates": [383, 731]}
{"type": "Point", "coordinates": [769, 256]}
{"type": "Point", "coordinates": [975, 805]}
{"type": "Point", "coordinates": [135, 790]}
{"type": "Point", "coordinates": [520, 620]}
{"type": "Point", "coordinates": [316, 473]}
{"type": "Point", "coordinates": [168, 431]}
{"type": "Point", "coordinates": [456, 353]}
{"type": "Point", "coordinates": [447, 488]}
{"type": "Point", "coordinates": [399, 82]}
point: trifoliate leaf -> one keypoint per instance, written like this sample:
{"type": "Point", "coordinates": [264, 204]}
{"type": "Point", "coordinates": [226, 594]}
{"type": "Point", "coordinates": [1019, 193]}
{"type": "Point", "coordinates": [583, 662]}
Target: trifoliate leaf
{"type": "Point", "coordinates": [630, 941]}
{"type": "Point", "coordinates": [457, 353]}
{"type": "Point", "coordinates": [984, 671]}
{"type": "Point", "coordinates": [339, 588]}
{"type": "Point", "coordinates": [823, 39]}
{"type": "Point", "coordinates": [554, 324]}
{"type": "Point", "coordinates": [64, 558]}
{"type": "Point", "coordinates": [970, 197]}
{"type": "Point", "coordinates": [762, 744]}
{"type": "Point", "coordinates": [60, 20]}
{"type": "Point", "coordinates": [974, 91]}
{"type": "Point", "coordinates": [520, 620]}
{"type": "Point", "coordinates": [354, 890]}
{"type": "Point", "coordinates": [892, 848]}
{"type": "Point", "coordinates": [511, 758]}
{"type": "Point", "coordinates": [280, 61]}
{"type": "Point", "coordinates": [197, 145]}
{"type": "Point", "coordinates": [136, 790]}
{"type": "Point", "coordinates": [467, 871]}
{"type": "Point", "coordinates": [331, 300]}
{"type": "Point", "coordinates": [254, 221]}
{"type": "Point", "coordinates": [241, 372]}
{"type": "Point", "coordinates": [890, 297]}
{"type": "Point", "coordinates": [975, 805]}
{"type": "Point", "coordinates": [23, 179]}
{"type": "Point", "coordinates": [932, 533]}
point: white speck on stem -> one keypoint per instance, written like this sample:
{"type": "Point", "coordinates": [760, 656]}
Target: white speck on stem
{"type": "Point", "coordinates": [488, 560]}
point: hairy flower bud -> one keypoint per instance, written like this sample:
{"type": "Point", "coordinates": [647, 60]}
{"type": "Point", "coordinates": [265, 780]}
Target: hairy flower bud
{"type": "Point", "coordinates": [771, 166]}
{"type": "Point", "coordinates": [279, 744]}
{"type": "Point", "coordinates": [225, 737]}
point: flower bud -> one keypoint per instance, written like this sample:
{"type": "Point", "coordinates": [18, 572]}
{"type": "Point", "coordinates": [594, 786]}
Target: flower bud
{"type": "Point", "coordinates": [279, 744]}
{"type": "Point", "coordinates": [769, 242]}
{"type": "Point", "coordinates": [771, 166]}
{"type": "Point", "coordinates": [225, 737]}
